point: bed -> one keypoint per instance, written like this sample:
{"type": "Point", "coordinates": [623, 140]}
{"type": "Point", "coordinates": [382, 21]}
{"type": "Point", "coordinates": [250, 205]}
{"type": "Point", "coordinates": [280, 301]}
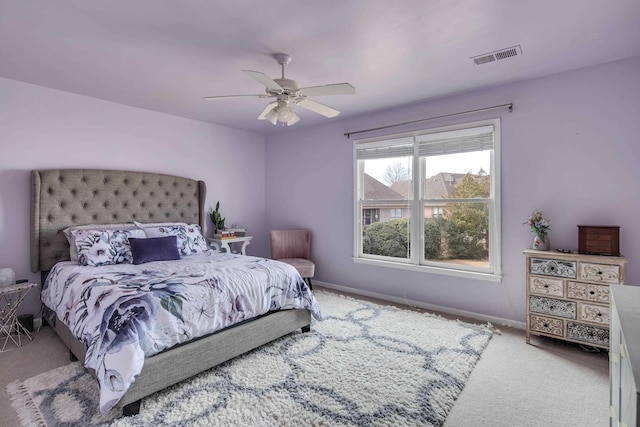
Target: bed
{"type": "Point", "coordinates": [64, 198]}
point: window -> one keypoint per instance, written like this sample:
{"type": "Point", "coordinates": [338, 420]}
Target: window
{"type": "Point", "coordinates": [370, 216]}
{"type": "Point", "coordinates": [395, 213]}
{"type": "Point", "coordinates": [452, 226]}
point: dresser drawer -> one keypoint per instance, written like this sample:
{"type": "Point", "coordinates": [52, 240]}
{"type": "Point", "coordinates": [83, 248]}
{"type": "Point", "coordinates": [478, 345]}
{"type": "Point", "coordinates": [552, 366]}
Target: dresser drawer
{"type": "Point", "coordinates": [593, 313]}
{"type": "Point", "coordinates": [546, 286]}
{"type": "Point", "coordinates": [553, 267]}
{"type": "Point", "coordinates": [604, 273]}
{"type": "Point", "coordinates": [587, 333]}
{"type": "Point", "coordinates": [552, 306]}
{"type": "Point", "coordinates": [588, 292]}
{"type": "Point", "coordinates": [546, 325]}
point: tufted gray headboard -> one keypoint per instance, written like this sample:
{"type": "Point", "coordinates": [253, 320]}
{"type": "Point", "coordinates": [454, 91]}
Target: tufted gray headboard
{"type": "Point", "coordinates": [64, 197]}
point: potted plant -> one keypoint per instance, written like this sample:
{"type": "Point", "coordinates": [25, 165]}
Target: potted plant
{"type": "Point", "coordinates": [216, 218]}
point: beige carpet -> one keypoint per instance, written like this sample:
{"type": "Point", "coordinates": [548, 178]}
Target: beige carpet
{"type": "Point", "coordinates": [549, 383]}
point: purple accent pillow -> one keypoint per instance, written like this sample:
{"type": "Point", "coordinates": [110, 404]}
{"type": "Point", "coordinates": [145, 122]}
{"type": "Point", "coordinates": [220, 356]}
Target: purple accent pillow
{"type": "Point", "coordinates": [154, 249]}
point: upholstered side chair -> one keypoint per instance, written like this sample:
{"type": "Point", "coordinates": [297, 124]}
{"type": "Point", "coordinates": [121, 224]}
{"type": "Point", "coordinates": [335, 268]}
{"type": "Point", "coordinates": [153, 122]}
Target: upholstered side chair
{"type": "Point", "coordinates": [293, 247]}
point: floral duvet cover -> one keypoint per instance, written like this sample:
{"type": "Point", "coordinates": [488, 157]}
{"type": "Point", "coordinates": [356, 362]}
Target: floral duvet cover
{"type": "Point", "coordinates": [124, 312]}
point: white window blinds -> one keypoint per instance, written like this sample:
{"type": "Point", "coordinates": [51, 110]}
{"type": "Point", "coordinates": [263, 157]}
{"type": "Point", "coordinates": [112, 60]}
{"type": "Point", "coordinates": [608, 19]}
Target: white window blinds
{"type": "Point", "coordinates": [457, 141]}
{"type": "Point", "coordinates": [432, 144]}
{"type": "Point", "coordinates": [400, 147]}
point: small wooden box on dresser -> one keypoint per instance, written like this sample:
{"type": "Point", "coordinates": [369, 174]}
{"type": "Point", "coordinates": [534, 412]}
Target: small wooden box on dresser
{"type": "Point", "coordinates": [568, 295]}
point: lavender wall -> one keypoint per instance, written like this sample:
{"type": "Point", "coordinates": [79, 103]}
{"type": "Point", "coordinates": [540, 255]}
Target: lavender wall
{"type": "Point", "coordinates": [570, 149]}
{"type": "Point", "coordinates": [44, 129]}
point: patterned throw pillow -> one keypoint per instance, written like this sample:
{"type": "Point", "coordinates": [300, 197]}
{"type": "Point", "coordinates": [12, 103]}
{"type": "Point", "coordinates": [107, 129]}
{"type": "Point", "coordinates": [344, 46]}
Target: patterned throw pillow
{"type": "Point", "coordinates": [104, 247]}
{"type": "Point", "coordinates": [189, 237]}
{"type": "Point", "coordinates": [73, 251]}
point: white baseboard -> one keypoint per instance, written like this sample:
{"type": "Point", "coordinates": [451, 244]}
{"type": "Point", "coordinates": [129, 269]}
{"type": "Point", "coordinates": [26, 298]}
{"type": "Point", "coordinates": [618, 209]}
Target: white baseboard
{"type": "Point", "coordinates": [431, 307]}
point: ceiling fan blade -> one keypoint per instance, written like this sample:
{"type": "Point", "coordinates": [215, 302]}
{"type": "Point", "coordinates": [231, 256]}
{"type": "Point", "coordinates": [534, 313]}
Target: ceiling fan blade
{"type": "Point", "coordinates": [210, 98]}
{"type": "Point", "coordinates": [265, 80]}
{"type": "Point", "coordinates": [270, 106]}
{"type": "Point", "coordinates": [316, 107]}
{"type": "Point", "coordinates": [334, 89]}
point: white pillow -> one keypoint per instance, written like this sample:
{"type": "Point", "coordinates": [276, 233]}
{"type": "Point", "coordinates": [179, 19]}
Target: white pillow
{"type": "Point", "coordinates": [105, 247]}
{"type": "Point", "coordinates": [156, 224]}
{"type": "Point", "coordinates": [73, 251]}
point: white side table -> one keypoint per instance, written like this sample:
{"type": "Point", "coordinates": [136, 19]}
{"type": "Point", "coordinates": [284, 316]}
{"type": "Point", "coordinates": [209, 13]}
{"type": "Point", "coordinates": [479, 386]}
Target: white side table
{"type": "Point", "coordinates": [220, 244]}
{"type": "Point", "coordinates": [11, 297]}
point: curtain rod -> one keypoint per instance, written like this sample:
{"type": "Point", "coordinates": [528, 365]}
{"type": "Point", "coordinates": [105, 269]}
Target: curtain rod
{"type": "Point", "coordinates": [510, 106]}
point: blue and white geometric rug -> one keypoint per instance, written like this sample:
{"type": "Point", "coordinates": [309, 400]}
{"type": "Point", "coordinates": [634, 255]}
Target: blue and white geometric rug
{"type": "Point", "coordinates": [365, 365]}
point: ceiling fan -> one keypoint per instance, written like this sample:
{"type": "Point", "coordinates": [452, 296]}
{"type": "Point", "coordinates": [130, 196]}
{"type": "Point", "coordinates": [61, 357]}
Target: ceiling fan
{"type": "Point", "coordinates": [288, 93]}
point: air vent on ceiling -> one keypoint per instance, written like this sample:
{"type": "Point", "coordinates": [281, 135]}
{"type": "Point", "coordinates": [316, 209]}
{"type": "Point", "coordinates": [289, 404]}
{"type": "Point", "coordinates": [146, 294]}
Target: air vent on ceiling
{"type": "Point", "coordinates": [497, 55]}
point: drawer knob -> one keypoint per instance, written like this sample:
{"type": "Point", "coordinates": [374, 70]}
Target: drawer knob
{"type": "Point", "coordinates": [592, 292]}
{"type": "Point", "coordinates": [546, 286]}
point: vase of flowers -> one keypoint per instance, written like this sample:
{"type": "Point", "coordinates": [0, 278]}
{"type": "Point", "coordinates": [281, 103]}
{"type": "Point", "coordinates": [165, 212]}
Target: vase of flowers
{"type": "Point", "coordinates": [540, 227]}
{"type": "Point", "coordinates": [541, 243]}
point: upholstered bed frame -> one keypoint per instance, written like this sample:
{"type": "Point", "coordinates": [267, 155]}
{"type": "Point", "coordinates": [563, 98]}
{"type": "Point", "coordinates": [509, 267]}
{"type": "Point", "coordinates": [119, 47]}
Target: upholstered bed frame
{"type": "Point", "coordinates": [65, 197]}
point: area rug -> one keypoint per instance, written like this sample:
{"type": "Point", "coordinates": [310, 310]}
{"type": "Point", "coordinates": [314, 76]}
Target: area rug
{"type": "Point", "coordinates": [364, 365]}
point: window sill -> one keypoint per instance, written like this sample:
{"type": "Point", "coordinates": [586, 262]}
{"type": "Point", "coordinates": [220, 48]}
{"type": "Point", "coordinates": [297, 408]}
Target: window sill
{"type": "Point", "coordinates": [487, 277]}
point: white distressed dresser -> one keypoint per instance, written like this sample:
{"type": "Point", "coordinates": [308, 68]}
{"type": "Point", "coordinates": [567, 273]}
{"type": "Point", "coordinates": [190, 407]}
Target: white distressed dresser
{"type": "Point", "coordinates": [568, 295]}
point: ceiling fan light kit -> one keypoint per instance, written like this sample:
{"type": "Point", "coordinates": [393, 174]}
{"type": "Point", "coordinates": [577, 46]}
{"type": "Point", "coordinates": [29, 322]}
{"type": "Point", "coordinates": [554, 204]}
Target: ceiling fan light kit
{"type": "Point", "coordinates": [279, 111]}
{"type": "Point", "coordinates": [288, 92]}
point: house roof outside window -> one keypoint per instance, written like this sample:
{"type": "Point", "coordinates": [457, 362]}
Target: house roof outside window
{"type": "Point", "coordinates": [440, 186]}
{"type": "Point", "coordinates": [376, 190]}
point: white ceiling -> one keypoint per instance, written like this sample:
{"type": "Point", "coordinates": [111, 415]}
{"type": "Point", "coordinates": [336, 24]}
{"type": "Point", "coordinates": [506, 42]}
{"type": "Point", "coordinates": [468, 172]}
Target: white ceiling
{"type": "Point", "coordinates": [166, 55]}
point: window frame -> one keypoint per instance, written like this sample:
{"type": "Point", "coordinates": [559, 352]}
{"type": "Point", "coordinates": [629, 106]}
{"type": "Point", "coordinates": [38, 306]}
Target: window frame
{"type": "Point", "coordinates": [417, 261]}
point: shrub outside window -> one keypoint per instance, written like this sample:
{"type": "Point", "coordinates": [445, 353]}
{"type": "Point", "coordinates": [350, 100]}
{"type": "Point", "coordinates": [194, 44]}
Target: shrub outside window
{"type": "Point", "coordinates": [453, 226]}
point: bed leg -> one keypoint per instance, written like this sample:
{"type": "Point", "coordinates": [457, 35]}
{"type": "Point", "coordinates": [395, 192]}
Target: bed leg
{"type": "Point", "coordinates": [308, 280]}
{"type": "Point", "coordinates": [306, 329]}
{"type": "Point", "coordinates": [132, 408]}
{"type": "Point", "coordinates": [72, 357]}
